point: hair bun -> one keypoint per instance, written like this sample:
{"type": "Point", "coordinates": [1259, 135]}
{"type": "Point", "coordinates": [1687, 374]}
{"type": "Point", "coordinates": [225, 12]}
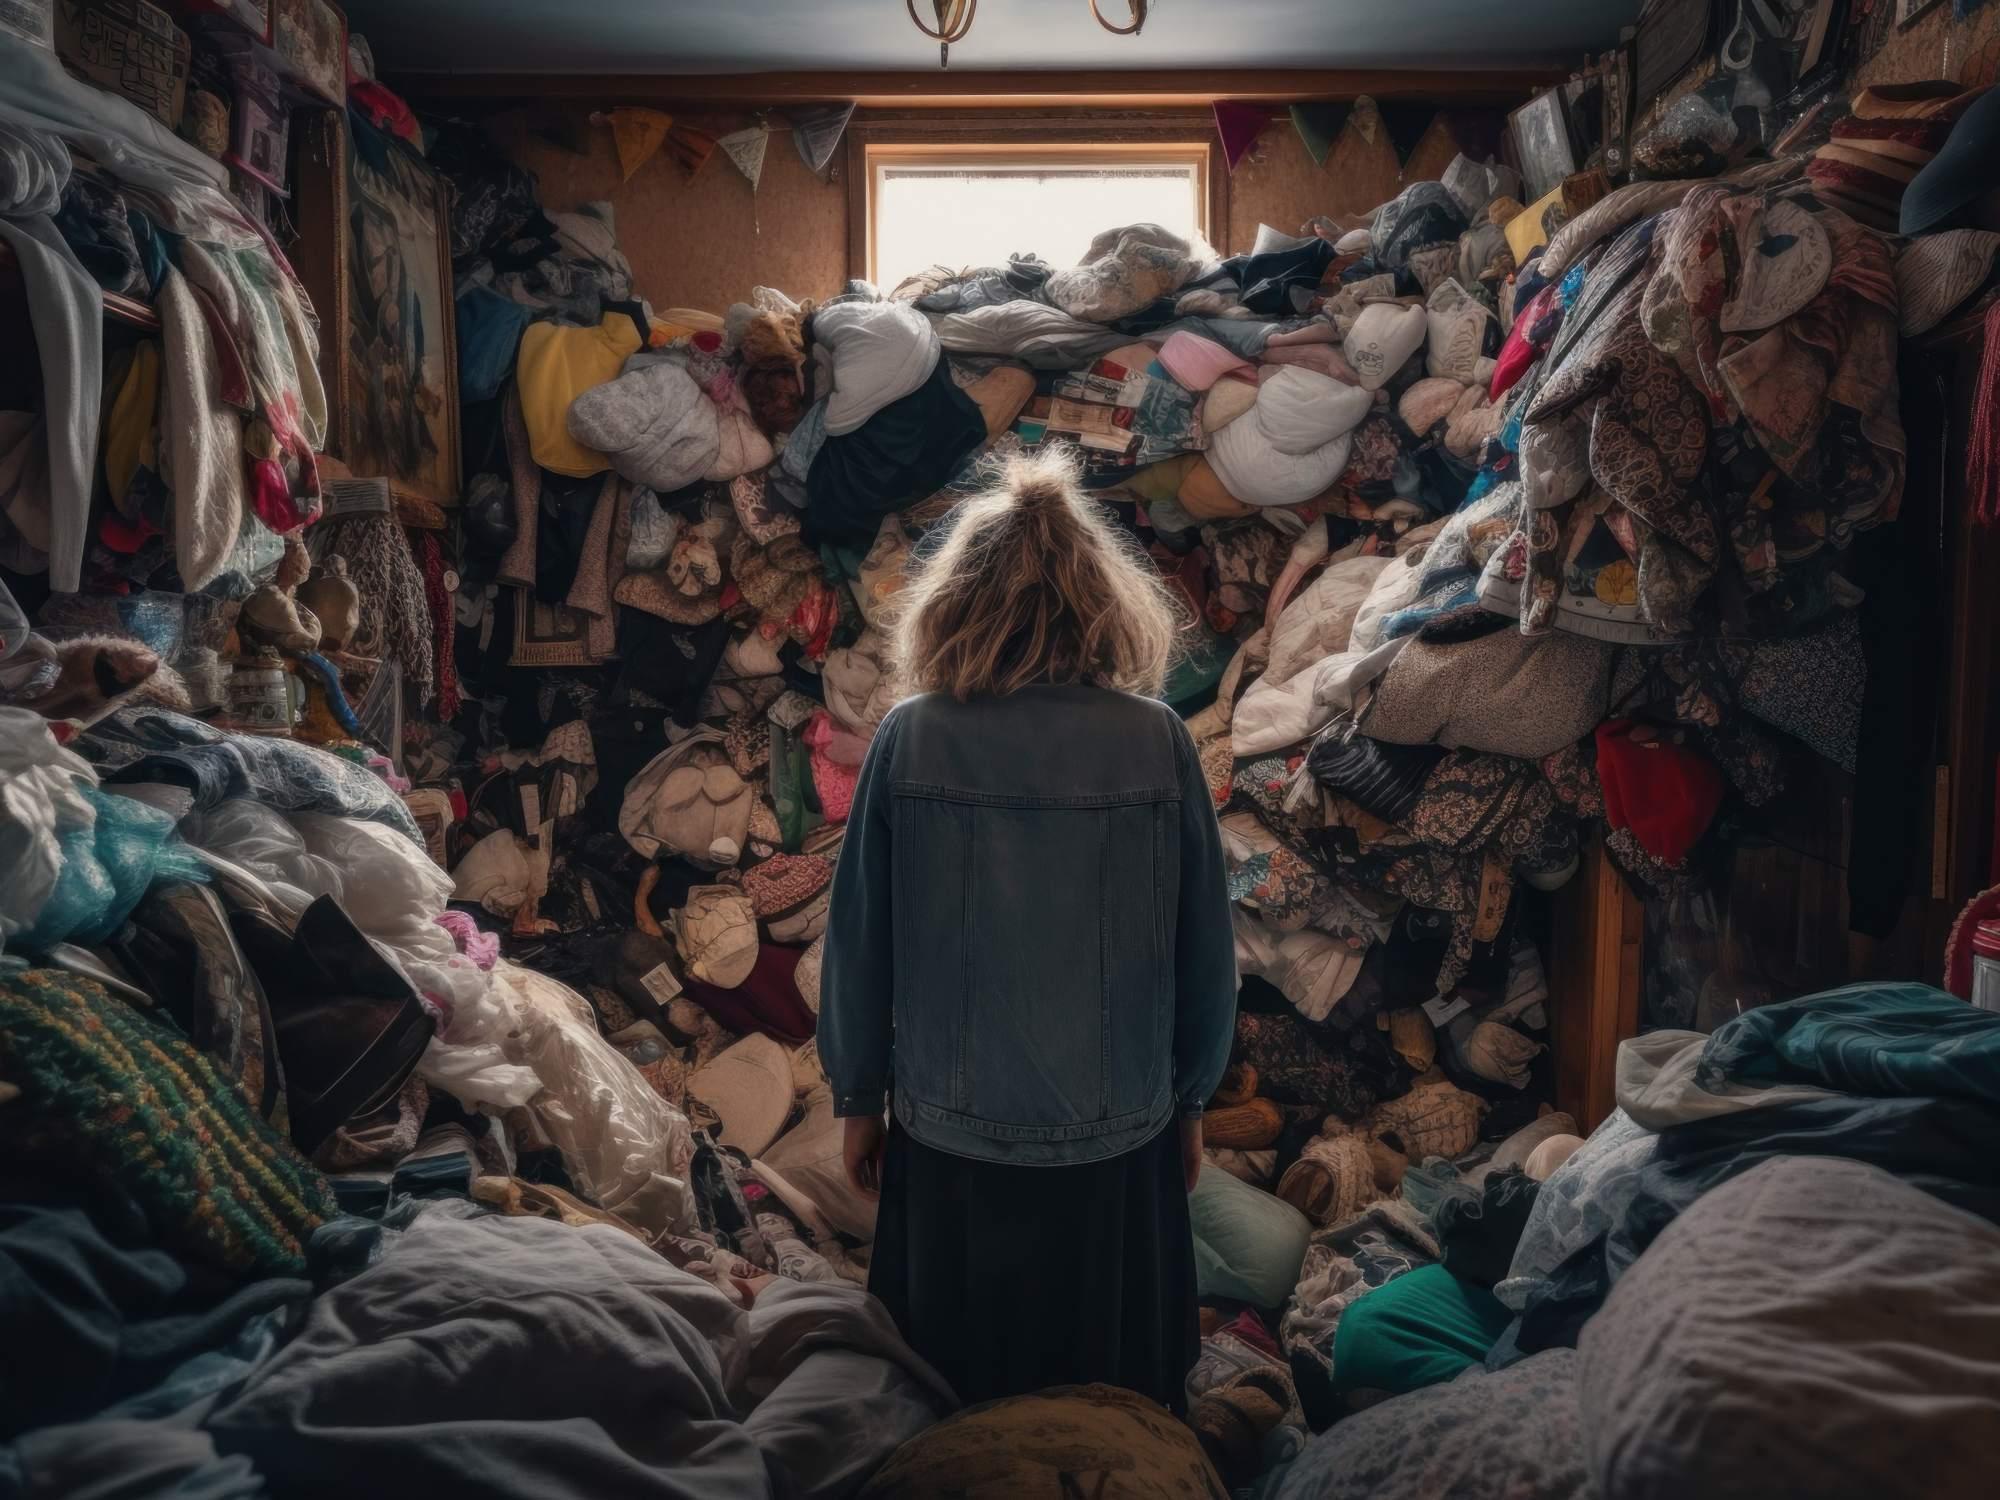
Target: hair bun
{"type": "Point", "coordinates": [1042, 481]}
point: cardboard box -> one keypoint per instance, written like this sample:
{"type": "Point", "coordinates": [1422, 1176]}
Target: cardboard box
{"type": "Point", "coordinates": [128, 47]}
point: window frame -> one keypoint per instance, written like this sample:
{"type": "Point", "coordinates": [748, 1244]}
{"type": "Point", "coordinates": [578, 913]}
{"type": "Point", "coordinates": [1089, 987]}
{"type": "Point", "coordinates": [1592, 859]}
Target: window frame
{"type": "Point", "coordinates": [1013, 137]}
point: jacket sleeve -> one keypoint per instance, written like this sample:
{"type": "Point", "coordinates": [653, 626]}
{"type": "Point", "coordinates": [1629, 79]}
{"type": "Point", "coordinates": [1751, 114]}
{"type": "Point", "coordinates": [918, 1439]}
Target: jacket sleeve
{"type": "Point", "coordinates": [1205, 944]}
{"type": "Point", "coordinates": [857, 976]}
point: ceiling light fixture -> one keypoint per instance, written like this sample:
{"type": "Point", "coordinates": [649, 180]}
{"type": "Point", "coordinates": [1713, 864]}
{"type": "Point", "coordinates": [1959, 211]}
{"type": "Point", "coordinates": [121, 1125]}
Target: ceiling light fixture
{"type": "Point", "coordinates": [954, 21]}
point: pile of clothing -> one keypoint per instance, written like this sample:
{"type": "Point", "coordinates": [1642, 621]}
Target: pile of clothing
{"type": "Point", "coordinates": [276, 1108]}
{"type": "Point", "coordinates": [1804, 1189]}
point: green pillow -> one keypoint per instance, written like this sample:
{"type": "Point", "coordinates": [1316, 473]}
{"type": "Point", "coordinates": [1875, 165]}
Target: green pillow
{"type": "Point", "coordinates": [1423, 1328]}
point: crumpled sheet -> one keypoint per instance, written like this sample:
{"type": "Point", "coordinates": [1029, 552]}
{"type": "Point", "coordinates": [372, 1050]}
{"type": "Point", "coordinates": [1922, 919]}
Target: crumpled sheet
{"type": "Point", "coordinates": [515, 1357]}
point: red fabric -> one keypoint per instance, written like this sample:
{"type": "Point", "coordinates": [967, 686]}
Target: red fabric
{"type": "Point", "coordinates": [444, 626]}
{"type": "Point", "coordinates": [768, 1001]}
{"type": "Point", "coordinates": [1666, 794]}
{"type": "Point", "coordinates": [1516, 354]}
{"type": "Point", "coordinates": [1982, 467]}
{"type": "Point", "coordinates": [385, 110]}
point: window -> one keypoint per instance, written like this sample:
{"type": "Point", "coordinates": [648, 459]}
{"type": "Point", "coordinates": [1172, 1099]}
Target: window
{"type": "Point", "coordinates": [963, 204]}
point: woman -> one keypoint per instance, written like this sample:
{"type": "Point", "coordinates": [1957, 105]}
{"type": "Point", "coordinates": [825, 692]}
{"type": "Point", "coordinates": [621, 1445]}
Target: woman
{"type": "Point", "coordinates": [1029, 960]}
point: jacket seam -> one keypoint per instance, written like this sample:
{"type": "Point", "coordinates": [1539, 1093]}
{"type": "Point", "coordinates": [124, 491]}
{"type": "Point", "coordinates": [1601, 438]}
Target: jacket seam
{"type": "Point", "coordinates": [967, 911]}
{"type": "Point", "coordinates": [936, 793]}
{"type": "Point", "coordinates": [1103, 967]}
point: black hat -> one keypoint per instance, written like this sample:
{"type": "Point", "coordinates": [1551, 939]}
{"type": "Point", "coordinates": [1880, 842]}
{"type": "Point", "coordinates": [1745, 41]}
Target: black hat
{"type": "Point", "coordinates": [1960, 172]}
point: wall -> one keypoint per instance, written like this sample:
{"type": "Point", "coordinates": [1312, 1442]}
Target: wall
{"type": "Point", "coordinates": [706, 241]}
{"type": "Point", "coordinates": [703, 241]}
{"type": "Point", "coordinates": [1278, 183]}
{"type": "Point", "coordinates": [1935, 45]}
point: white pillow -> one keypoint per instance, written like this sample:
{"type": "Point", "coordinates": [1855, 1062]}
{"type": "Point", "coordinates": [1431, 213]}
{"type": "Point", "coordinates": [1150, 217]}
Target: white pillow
{"type": "Point", "coordinates": [1382, 340]}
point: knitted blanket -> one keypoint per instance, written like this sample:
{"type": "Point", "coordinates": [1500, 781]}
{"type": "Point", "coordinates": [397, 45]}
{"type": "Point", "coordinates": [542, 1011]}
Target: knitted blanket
{"type": "Point", "coordinates": [110, 1093]}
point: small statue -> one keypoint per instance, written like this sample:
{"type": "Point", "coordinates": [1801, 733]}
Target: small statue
{"type": "Point", "coordinates": [335, 602]}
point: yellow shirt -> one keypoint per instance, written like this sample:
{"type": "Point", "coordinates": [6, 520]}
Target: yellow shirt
{"type": "Point", "coordinates": [558, 364]}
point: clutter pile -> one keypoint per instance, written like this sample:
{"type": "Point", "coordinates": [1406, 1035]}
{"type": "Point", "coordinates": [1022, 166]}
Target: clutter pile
{"type": "Point", "coordinates": [1499, 532]}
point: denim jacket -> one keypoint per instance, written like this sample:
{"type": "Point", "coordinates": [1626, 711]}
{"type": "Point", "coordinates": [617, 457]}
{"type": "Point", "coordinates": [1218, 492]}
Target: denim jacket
{"type": "Point", "coordinates": [1030, 937]}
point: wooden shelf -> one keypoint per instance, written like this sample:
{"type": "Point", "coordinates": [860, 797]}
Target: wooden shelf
{"type": "Point", "coordinates": [128, 311]}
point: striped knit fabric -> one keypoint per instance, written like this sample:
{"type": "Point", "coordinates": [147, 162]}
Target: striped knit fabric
{"type": "Point", "coordinates": [113, 1095]}
{"type": "Point", "coordinates": [1891, 136]}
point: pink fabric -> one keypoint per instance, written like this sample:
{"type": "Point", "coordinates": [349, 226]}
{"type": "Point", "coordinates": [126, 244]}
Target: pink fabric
{"type": "Point", "coordinates": [1196, 362]}
{"type": "Point", "coordinates": [833, 779]}
{"type": "Point", "coordinates": [483, 948]}
{"type": "Point", "coordinates": [1516, 354]}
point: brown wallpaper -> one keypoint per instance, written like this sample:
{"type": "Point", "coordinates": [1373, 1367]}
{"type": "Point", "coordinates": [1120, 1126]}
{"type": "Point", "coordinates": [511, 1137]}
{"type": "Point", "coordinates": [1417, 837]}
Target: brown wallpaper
{"type": "Point", "coordinates": [1278, 184]}
{"type": "Point", "coordinates": [705, 241]}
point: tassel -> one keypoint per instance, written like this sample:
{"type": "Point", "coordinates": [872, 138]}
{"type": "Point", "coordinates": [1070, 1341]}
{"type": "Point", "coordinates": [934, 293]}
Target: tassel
{"type": "Point", "coordinates": [1982, 468]}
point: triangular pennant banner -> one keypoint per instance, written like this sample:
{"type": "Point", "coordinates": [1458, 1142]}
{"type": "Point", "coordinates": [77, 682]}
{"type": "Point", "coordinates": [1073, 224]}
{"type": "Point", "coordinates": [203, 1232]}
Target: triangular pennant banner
{"type": "Point", "coordinates": [817, 130]}
{"type": "Point", "coordinates": [637, 133]}
{"type": "Point", "coordinates": [692, 148]}
{"type": "Point", "coordinates": [746, 149]}
{"type": "Point", "coordinates": [1318, 126]}
{"type": "Point", "coordinates": [1407, 124]}
{"type": "Point", "coordinates": [1367, 119]}
{"type": "Point", "coordinates": [1239, 125]}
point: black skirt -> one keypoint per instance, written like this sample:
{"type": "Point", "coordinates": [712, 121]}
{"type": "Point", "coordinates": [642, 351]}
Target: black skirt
{"type": "Point", "coordinates": [1010, 1279]}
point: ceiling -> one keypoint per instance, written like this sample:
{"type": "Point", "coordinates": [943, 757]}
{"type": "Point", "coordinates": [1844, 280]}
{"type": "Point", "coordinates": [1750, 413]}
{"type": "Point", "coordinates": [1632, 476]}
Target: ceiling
{"type": "Point", "coordinates": [758, 36]}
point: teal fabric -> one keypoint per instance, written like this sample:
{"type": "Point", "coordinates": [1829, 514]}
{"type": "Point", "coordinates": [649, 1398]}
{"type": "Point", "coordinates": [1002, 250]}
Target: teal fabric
{"type": "Point", "coordinates": [1890, 1041]}
{"type": "Point", "coordinates": [1248, 1244]}
{"type": "Point", "coordinates": [1422, 1329]}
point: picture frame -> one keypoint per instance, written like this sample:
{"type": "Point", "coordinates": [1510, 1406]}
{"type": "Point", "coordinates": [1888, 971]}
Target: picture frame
{"type": "Point", "coordinates": [310, 39]}
{"type": "Point", "coordinates": [374, 253]}
{"type": "Point", "coordinates": [1909, 12]}
{"type": "Point", "coordinates": [1542, 141]}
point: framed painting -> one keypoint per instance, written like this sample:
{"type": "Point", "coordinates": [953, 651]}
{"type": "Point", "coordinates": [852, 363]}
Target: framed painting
{"type": "Point", "coordinates": [1542, 141]}
{"type": "Point", "coordinates": [374, 252]}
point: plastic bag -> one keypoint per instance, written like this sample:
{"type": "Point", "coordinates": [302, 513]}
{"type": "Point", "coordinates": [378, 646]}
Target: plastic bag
{"type": "Point", "coordinates": [623, 1145]}
{"type": "Point", "coordinates": [107, 864]}
{"type": "Point", "coordinates": [265, 843]}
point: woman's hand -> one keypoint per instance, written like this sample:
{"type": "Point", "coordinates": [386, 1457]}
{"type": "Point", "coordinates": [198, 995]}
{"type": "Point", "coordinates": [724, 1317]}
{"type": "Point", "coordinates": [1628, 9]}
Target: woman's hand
{"type": "Point", "coordinates": [861, 1141]}
{"type": "Point", "coordinates": [1191, 1149]}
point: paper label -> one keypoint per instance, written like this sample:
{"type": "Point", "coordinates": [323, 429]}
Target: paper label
{"type": "Point", "coordinates": [659, 982]}
{"type": "Point", "coordinates": [1442, 1009]}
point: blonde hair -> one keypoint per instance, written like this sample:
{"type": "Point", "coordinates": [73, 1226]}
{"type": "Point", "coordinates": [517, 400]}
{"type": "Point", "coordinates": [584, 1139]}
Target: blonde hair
{"type": "Point", "coordinates": [1032, 584]}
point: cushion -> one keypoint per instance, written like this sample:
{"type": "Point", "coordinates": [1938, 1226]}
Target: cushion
{"type": "Point", "coordinates": [806, 977]}
{"type": "Point", "coordinates": [1294, 442]}
{"type": "Point", "coordinates": [1457, 323]}
{"type": "Point", "coordinates": [1122, 270]}
{"type": "Point", "coordinates": [1196, 362]}
{"type": "Point", "coordinates": [1816, 1298]}
{"type": "Point", "coordinates": [808, 1157]}
{"type": "Point", "coordinates": [717, 935]}
{"type": "Point", "coordinates": [741, 447]}
{"type": "Point", "coordinates": [880, 352]}
{"type": "Point", "coordinates": [653, 424]}
{"type": "Point", "coordinates": [1382, 340]}
{"type": "Point", "coordinates": [1421, 1329]}
{"type": "Point", "coordinates": [1205, 497]}
{"type": "Point", "coordinates": [1225, 402]}
{"type": "Point", "coordinates": [1000, 394]}
{"type": "Point", "coordinates": [1503, 692]}
{"type": "Point", "coordinates": [689, 801]}
{"type": "Point", "coordinates": [1428, 402]}
{"type": "Point", "coordinates": [747, 1089]}
{"type": "Point", "coordinates": [860, 690]}
{"type": "Point", "coordinates": [1248, 1245]}
{"type": "Point", "coordinates": [1511, 1435]}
